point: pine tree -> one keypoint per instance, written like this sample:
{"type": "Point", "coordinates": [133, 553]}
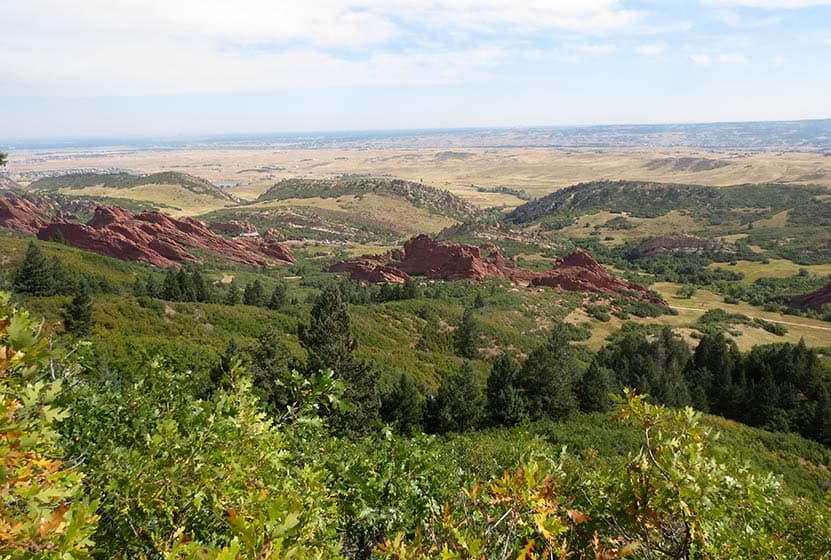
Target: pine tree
{"type": "Point", "coordinates": [171, 289]}
{"type": "Point", "coordinates": [254, 293]}
{"type": "Point", "coordinates": [187, 290]}
{"type": "Point", "coordinates": [270, 361]}
{"type": "Point", "coordinates": [329, 342]}
{"type": "Point", "coordinates": [328, 336]}
{"type": "Point", "coordinates": [278, 297]}
{"type": "Point", "coordinates": [548, 377]}
{"type": "Point", "coordinates": [404, 406]}
{"type": "Point", "coordinates": [77, 317]}
{"type": "Point", "coordinates": [34, 277]}
{"type": "Point", "coordinates": [466, 337]}
{"type": "Point", "coordinates": [232, 297]}
{"type": "Point", "coordinates": [458, 405]}
{"type": "Point", "coordinates": [3, 159]}
{"type": "Point", "coordinates": [504, 403]}
{"type": "Point", "coordinates": [594, 389]}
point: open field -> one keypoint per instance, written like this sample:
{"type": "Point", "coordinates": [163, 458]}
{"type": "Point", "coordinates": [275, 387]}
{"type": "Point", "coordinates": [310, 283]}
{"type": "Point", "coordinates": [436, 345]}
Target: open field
{"type": "Point", "coordinates": [249, 172]}
{"type": "Point", "coordinates": [689, 310]}
{"type": "Point", "coordinates": [774, 268]}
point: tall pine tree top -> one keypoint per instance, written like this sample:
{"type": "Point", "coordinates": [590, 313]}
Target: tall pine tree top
{"type": "Point", "coordinates": [328, 336]}
{"type": "Point", "coordinates": [35, 276]}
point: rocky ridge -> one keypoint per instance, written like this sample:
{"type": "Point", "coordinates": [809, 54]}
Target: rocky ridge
{"type": "Point", "coordinates": [160, 240]}
{"type": "Point", "coordinates": [424, 256]}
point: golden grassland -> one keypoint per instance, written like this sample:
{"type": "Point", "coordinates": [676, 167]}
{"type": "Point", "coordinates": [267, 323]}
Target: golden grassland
{"type": "Point", "coordinates": [537, 171]}
{"type": "Point", "coordinates": [177, 200]}
{"type": "Point", "coordinates": [814, 332]}
{"type": "Point", "coordinates": [774, 268]}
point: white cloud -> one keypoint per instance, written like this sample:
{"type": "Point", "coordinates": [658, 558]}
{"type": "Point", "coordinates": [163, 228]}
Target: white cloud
{"type": "Point", "coordinates": [701, 59]}
{"type": "Point", "coordinates": [596, 50]}
{"type": "Point", "coordinates": [828, 41]}
{"type": "Point", "coordinates": [717, 57]}
{"type": "Point", "coordinates": [654, 49]}
{"type": "Point", "coordinates": [130, 47]}
{"type": "Point", "coordinates": [773, 4]}
{"type": "Point", "coordinates": [779, 61]}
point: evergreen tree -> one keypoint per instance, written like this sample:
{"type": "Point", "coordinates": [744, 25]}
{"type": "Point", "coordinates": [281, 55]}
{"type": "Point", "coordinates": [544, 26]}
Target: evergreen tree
{"type": "Point", "coordinates": [62, 283]}
{"type": "Point", "coordinates": [458, 405]}
{"type": "Point", "coordinates": [34, 277]}
{"type": "Point", "coordinates": [3, 159]}
{"type": "Point", "coordinates": [77, 317]}
{"type": "Point", "coordinates": [171, 289]}
{"type": "Point", "coordinates": [548, 377]}
{"type": "Point", "coordinates": [270, 362]}
{"type": "Point", "coordinates": [467, 336]}
{"type": "Point", "coordinates": [278, 297]}
{"type": "Point", "coordinates": [201, 291]}
{"type": "Point", "coordinates": [329, 342]}
{"type": "Point", "coordinates": [504, 403]}
{"type": "Point", "coordinates": [594, 389]}
{"type": "Point", "coordinates": [254, 293]}
{"type": "Point", "coordinates": [232, 296]}
{"type": "Point", "coordinates": [404, 406]}
{"type": "Point", "coordinates": [153, 289]}
{"type": "Point", "coordinates": [187, 291]}
{"type": "Point", "coordinates": [328, 336]}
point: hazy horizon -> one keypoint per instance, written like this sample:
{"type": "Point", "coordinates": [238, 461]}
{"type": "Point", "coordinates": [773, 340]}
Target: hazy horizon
{"type": "Point", "coordinates": [154, 68]}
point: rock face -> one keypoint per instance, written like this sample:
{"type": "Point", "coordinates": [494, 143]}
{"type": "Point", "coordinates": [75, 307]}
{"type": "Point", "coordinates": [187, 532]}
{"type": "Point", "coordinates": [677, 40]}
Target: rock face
{"type": "Point", "coordinates": [21, 214]}
{"type": "Point", "coordinates": [158, 239]}
{"type": "Point", "coordinates": [581, 273]}
{"type": "Point", "coordinates": [681, 244]}
{"type": "Point", "coordinates": [816, 300]}
{"type": "Point", "coordinates": [233, 227]}
{"type": "Point", "coordinates": [424, 256]}
{"type": "Point", "coordinates": [370, 269]}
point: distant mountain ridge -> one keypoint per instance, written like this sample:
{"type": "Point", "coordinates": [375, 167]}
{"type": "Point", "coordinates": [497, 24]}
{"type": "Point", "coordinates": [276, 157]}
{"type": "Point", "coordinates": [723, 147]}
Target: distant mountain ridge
{"type": "Point", "coordinates": [79, 181]}
{"type": "Point", "coordinates": [439, 200]}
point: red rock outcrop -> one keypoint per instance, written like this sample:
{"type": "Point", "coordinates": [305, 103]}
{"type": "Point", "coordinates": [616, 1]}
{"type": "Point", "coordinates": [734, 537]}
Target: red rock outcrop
{"type": "Point", "coordinates": [160, 240]}
{"type": "Point", "coordinates": [579, 272]}
{"type": "Point", "coordinates": [21, 214]}
{"type": "Point", "coordinates": [815, 300]}
{"type": "Point", "coordinates": [424, 256]}
{"type": "Point", "coordinates": [370, 270]}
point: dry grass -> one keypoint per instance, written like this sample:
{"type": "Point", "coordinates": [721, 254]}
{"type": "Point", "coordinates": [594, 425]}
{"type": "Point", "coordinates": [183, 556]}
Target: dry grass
{"type": "Point", "coordinates": [538, 171]}
{"type": "Point", "coordinates": [776, 268]}
{"type": "Point", "coordinates": [815, 333]}
{"type": "Point", "coordinates": [178, 200]}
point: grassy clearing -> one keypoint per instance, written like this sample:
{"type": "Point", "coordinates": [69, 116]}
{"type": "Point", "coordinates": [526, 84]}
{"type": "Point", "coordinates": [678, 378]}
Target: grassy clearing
{"type": "Point", "coordinates": [177, 200]}
{"type": "Point", "coordinates": [593, 224]}
{"type": "Point", "coordinates": [775, 268]}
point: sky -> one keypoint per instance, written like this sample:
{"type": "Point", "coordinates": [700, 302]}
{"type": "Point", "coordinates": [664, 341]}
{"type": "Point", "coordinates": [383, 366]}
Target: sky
{"type": "Point", "coordinates": [86, 68]}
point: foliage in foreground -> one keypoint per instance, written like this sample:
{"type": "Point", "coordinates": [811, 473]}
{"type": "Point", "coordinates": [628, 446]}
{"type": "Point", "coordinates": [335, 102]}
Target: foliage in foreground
{"type": "Point", "coordinates": [43, 511]}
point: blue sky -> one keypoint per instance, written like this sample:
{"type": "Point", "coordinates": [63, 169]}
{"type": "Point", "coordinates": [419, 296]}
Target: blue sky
{"type": "Point", "coordinates": [75, 68]}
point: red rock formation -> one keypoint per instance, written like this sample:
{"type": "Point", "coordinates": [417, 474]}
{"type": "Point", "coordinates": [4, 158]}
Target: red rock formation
{"type": "Point", "coordinates": [370, 270]}
{"type": "Point", "coordinates": [579, 272]}
{"type": "Point", "coordinates": [161, 240]}
{"type": "Point", "coordinates": [816, 300]}
{"type": "Point", "coordinates": [21, 214]}
{"type": "Point", "coordinates": [424, 256]}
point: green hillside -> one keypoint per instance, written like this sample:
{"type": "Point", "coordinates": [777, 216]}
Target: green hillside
{"type": "Point", "coordinates": [124, 181]}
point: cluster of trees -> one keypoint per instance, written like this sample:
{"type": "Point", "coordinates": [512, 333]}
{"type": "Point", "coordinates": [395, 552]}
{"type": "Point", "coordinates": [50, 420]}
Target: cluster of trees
{"type": "Point", "coordinates": [188, 284]}
{"type": "Point", "coordinates": [40, 276]}
{"type": "Point", "coordinates": [105, 465]}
